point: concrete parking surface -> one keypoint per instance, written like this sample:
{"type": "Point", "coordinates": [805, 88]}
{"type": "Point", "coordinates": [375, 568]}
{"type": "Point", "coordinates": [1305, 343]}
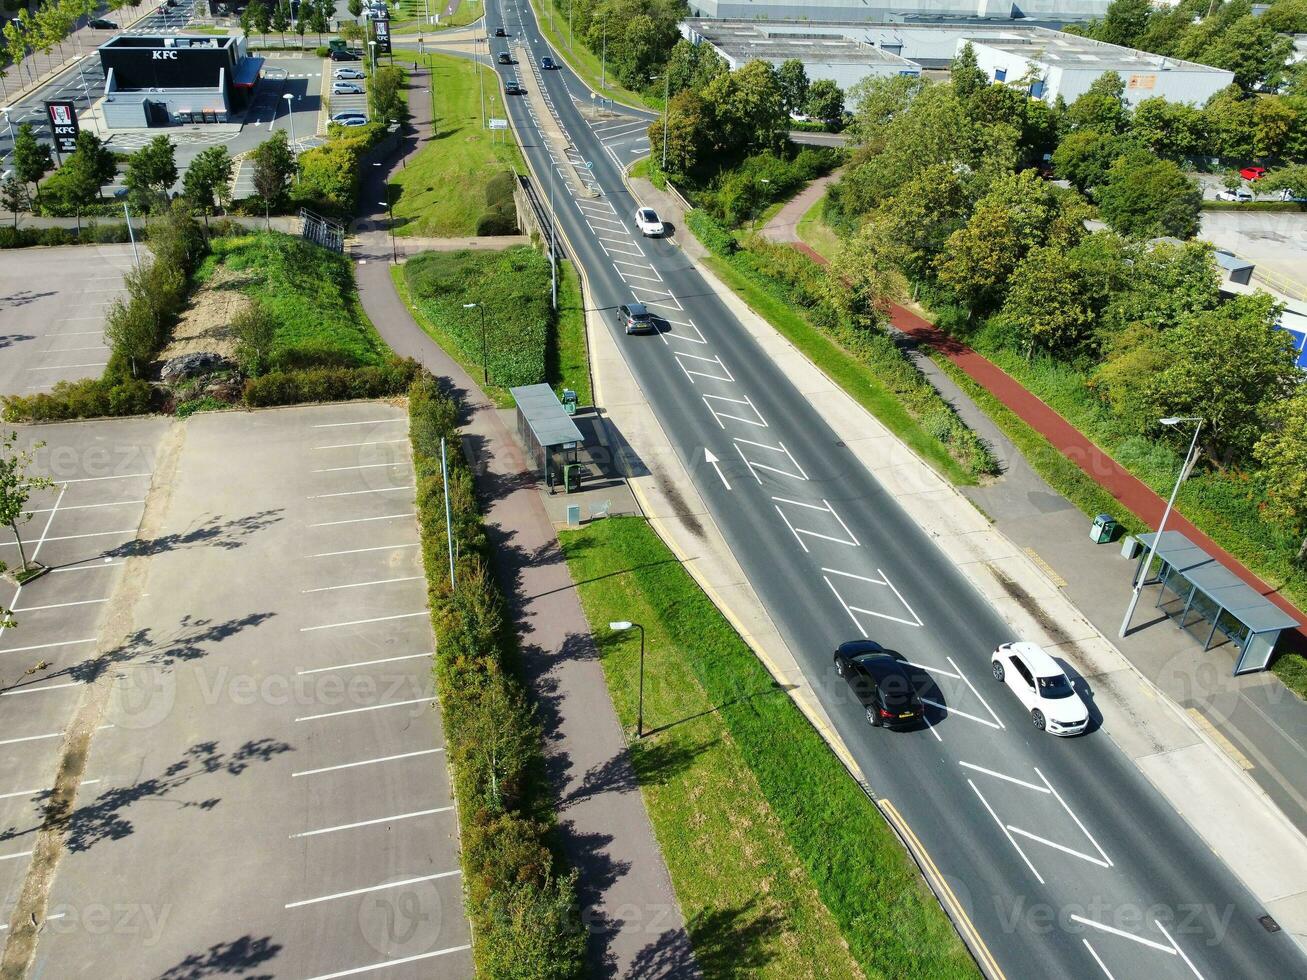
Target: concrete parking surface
{"type": "Point", "coordinates": [52, 306]}
{"type": "Point", "coordinates": [265, 789]}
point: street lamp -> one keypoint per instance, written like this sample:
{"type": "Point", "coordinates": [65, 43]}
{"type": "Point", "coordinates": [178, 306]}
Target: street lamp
{"type": "Point", "coordinates": [372, 55]}
{"type": "Point", "coordinates": [622, 627]}
{"type": "Point", "coordinates": [667, 88]}
{"type": "Point", "coordinates": [485, 350]}
{"type": "Point", "coordinates": [1190, 458]}
{"type": "Point", "coordinates": [290, 115]}
{"type": "Point", "coordinates": [8, 122]}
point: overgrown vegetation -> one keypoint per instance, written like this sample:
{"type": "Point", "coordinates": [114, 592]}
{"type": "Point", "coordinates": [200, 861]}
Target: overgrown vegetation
{"type": "Point", "coordinates": [730, 779]}
{"type": "Point", "coordinates": [520, 896]}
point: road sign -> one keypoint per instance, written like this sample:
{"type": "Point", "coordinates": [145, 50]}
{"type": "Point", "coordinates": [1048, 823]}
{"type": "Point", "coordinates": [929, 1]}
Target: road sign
{"type": "Point", "coordinates": [63, 125]}
{"type": "Point", "coordinates": [381, 30]}
{"type": "Point", "coordinates": [498, 123]}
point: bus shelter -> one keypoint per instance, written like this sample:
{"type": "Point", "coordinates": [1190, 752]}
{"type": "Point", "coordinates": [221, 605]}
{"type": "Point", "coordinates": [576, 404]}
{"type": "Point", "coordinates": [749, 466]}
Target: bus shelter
{"type": "Point", "coordinates": [1213, 597]}
{"type": "Point", "coordinates": [550, 436]}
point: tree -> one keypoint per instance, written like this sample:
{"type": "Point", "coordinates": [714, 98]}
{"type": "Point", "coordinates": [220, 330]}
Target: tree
{"type": "Point", "coordinates": [261, 17]}
{"type": "Point", "coordinates": [748, 109]}
{"type": "Point", "coordinates": [1146, 198]}
{"type": "Point", "coordinates": [1102, 106]}
{"type": "Point", "coordinates": [274, 166]}
{"type": "Point", "coordinates": [1231, 124]}
{"type": "Point", "coordinates": [1124, 23]}
{"type": "Point", "coordinates": [693, 66]}
{"type": "Point", "coordinates": [1274, 120]}
{"type": "Point", "coordinates": [1291, 180]}
{"type": "Point", "coordinates": [794, 84]}
{"type": "Point", "coordinates": [388, 94]}
{"type": "Point", "coordinates": [13, 196]}
{"type": "Point", "coordinates": [355, 8]}
{"type": "Point", "coordinates": [256, 334]}
{"type": "Point", "coordinates": [132, 332]}
{"type": "Point", "coordinates": [280, 21]}
{"type": "Point", "coordinates": [1170, 129]}
{"type": "Point", "coordinates": [99, 158]}
{"type": "Point", "coordinates": [965, 74]}
{"type": "Point", "coordinates": [302, 24]}
{"type": "Point", "coordinates": [877, 101]}
{"type": "Point", "coordinates": [916, 222]}
{"type": "Point", "coordinates": [1049, 301]}
{"type": "Point", "coordinates": [16, 486]}
{"type": "Point", "coordinates": [863, 279]}
{"type": "Point", "coordinates": [1282, 453]}
{"type": "Point", "coordinates": [1252, 50]}
{"type": "Point", "coordinates": [32, 158]}
{"type": "Point", "coordinates": [75, 185]}
{"type": "Point", "coordinates": [152, 170]}
{"type": "Point", "coordinates": [825, 101]}
{"type": "Point", "coordinates": [689, 121]}
{"type": "Point", "coordinates": [208, 178]}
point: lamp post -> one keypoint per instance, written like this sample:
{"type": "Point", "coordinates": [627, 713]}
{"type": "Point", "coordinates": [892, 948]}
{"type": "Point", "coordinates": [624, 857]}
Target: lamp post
{"type": "Point", "coordinates": [485, 349]}
{"type": "Point", "coordinates": [1190, 458]}
{"type": "Point", "coordinates": [8, 122]}
{"type": "Point", "coordinates": [603, 60]}
{"type": "Point", "coordinates": [622, 627]}
{"type": "Point", "coordinates": [667, 88]}
{"type": "Point", "coordinates": [372, 55]}
{"type": "Point", "coordinates": [290, 116]}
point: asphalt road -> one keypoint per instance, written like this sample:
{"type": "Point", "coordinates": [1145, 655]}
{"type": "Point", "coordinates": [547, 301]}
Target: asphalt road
{"type": "Point", "coordinates": [1068, 862]}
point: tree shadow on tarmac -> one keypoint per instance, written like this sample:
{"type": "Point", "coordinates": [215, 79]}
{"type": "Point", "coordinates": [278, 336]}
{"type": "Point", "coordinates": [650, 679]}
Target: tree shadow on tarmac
{"type": "Point", "coordinates": [212, 532]}
{"type": "Point", "coordinates": [726, 942]}
{"type": "Point", "coordinates": [226, 959]}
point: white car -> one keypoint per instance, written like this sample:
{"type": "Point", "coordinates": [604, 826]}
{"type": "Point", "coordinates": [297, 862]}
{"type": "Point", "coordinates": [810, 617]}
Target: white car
{"type": "Point", "coordinates": [346, 88]}
{"type": "Point", "coordinates": [349, 73]}
{"type": "Point", "coordinates": [646, 219]}
{"type": "Point", "coordinates": [1042, 686]}
{"type": "Point", "coordinates": [1242, 195]}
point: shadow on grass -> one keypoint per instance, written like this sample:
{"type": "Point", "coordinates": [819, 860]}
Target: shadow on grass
{"type": "Point", "coordinates": [727, 942]}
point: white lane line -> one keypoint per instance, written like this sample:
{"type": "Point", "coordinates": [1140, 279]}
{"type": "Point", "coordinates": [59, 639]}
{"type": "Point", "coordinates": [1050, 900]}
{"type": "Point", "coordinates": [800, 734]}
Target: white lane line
{"type": "Point", "coordinates": [47, 646]}
{"type": "Point", "coordinates": [359, 585]}
{"type": "Point", "coordinates": [30, 738]}
{"type": "Point", "coordinates": [365, 762]}
{"type": "Point", "coordinates": [628, 276]}
{"type": "Point", "coordinates": [364, 520]}
{"type": "Point", "coordinates": [1178, 951]}
{"type": "Point", "coordinates": [363, 663]}
{"type": "Point", "coordinates": [358, 551]}
{"type": "Point", "coordinates": [851, 541]}
{"type": "Point", "coordinates": [389, 963]}
{"type": "Point", "coordinates": [1071, 813]}
{"type": "Point", "coordinates": [358, 622]}
{"type": "Point", "coordinates": [37, 690]}
{"type": "Point", "coordinates": [1151, 944]}
{"type": "Point", "coordinates": [1010, 838]}
{"type": "Point", "coordinates": [13, 857]}
{"type": "Point", "coordinates": [1106, 972]}
{"type": "Point", "coordinates": [72, 350]}
{"type": "Point", "coordinates": [84, 567]}
{"type": "Point", "coordinates": [365, 466]}
{"type": "Point", "coordinates": [936, 670]}
{"type": "Point", "coordinates": [760, 422]}
{"type": "Point", "coordinates": [610, 250]}
{"type": "Point", "coordinates": [111, 503]}
{"type": "Point", "coordinates": [1004, 776]}
{"type": "Point", "coordinates": [778, 448]}
{"type": "Point", "coordinates": [370, 823]}
{"type": "Point", "coordinates": [355, 445]}
{"type": "Point", "coordinates": [948, 709]}
{"type": "Point", "coordinates": [63, 367]}
{"type": "Point", "coordinates": [351, 493]}
{"type": "Point", "coordinates": [60, 605]}
{"type": "Point", "coordinates": [96, 479]}
{"type": "Point", "coordinates": [370, 707]}
{"type": "Point", "coordinates": [1056, 846]}
{"type": "Point", "coordinates": [637, 265]}
{"type": "Point", "coordinates": [336, 425]}
{"type": "Point", "coordinates": [74, 537]}
{"type": "Point", "coordinates": [48, 918]}
{"type": "Point", "coordinates": [371, 888]}
{"type": "Point", "coordinates": [931, 727]}
{"type": "Point", "coordinates": [996, 718]}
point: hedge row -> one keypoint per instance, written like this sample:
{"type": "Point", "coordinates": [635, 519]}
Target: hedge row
{"type": "Point", "coordinates": [331, 383]}
{"type": "Point", "coordinates": [796, 278]}
{"type": "Point", "coordinates": [500, 217]}
{"type": "Point", "coordinates": [521, 900]}
{"type": "Point", "coordinates": [91, 234]}
{"type": "Point", "coordinates": [89, 398]}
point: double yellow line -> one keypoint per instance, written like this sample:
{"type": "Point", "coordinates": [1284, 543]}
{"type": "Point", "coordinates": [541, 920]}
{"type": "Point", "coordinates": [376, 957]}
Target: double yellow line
{"type": "Point", "coordinates": [970, 935]}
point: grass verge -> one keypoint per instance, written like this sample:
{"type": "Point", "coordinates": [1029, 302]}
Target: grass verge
{"type": "Point", "coordinates": [567, 356]}
{"type": "Point", "coordinates": [782, 865]}
{"type": "Point", "coordinates": [842, 367]}
{"type": "Point", "coordinates": [816, 234]}
{"type": "Point", "coordinates": [442, 191]}
{"type": "Point", "coordinates": [410, 16]}
{"type": "Point", "coordinates": [586, 64]}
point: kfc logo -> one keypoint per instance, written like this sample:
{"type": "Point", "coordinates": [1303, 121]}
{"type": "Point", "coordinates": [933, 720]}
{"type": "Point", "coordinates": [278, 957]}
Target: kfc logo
{"type": "Point", "coordinates": [164, 55]}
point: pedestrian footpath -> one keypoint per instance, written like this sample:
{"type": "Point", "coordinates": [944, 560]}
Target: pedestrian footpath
{"type": "Point", "coordinates": [628, 907]}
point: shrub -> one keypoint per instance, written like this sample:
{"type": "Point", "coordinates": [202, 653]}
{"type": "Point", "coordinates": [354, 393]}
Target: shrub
{"type": "Point", "coordinates": [498, 221]}
{"type": "Point", "coordinates": [330, 384]}
{"type": "Point", "coordinates": [88, 398]}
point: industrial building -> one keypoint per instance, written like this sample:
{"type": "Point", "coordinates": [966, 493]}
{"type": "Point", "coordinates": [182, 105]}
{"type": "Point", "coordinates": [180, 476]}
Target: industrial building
{"type": "Point", "coordinates": [883, 12]}
{"type": "Point", "coordinates": [175, 79]}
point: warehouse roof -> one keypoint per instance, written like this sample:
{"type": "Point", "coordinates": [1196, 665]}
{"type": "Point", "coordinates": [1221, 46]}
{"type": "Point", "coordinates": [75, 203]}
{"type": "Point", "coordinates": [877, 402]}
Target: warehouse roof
{"type": "Point", "coordinates": [1071, 51]}
{"type": "Point", "coordinates": [743, 41]}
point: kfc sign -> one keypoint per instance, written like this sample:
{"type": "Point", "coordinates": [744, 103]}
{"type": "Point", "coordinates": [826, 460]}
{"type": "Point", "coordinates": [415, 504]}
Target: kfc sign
{"type": "Point", "coordinates": [63, 125]}
{"type": "Point", "coordinates": [164, 55]}
{"type": "Point", "coordinates": [381, 29]}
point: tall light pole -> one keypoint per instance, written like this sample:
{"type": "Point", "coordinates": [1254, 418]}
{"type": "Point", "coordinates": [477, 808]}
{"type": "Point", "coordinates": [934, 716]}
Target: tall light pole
{"type": "Point", "coordinates": [372, 55]}
{"type": "Point", "coordinates": [290, 116]}
{"type": "Point", "coordinates": [622, 627]}
{"type": "Point", "coordinates": [1190, 458]}
{"type": "Point", "coordinates": [8, 122]}
{"type": "Point", "coordinates": [603, 60]}
{"type": "Point", "coordinates": [481, 80]}
{"type": "Point", "coordinates": [485, 350]}
{"type": "Point", "coordinates": [667, 88]}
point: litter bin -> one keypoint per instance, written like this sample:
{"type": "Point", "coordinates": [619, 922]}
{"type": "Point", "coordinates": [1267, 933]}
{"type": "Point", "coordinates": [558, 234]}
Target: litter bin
{"type": "Point", "coordinates": [1103, 529]}
{"type": "Point", "coordinates": [1131, 547]}
{"type": "Point", "coordinates": [569, 401]}
{"type": "Point", "coordinates": [572, 477]}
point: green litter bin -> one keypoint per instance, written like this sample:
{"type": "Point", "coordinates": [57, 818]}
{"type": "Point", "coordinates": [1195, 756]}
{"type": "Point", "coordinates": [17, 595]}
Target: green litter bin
{"type": "Point", "coordinates": [1103, 529]}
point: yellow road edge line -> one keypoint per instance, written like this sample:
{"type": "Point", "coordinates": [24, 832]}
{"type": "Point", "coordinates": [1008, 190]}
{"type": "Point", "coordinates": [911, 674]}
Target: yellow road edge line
{"type": "Point", "coordinates": [1228, 747]}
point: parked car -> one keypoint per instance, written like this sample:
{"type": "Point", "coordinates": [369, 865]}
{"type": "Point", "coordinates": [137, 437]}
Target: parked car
{"type": "Point", "coordinates": [881, 683]}
{"type": "Point", "coordinates": [100, 24]}
{"type": "Point", "coordinates": [500, 32]}
{"type": "Point", "coordinates": [346, 88]}
{"type": "Point", "coordinates": [346, 56]}
{"type": "Point", "coordinates": [646, 219]}
{"type": "Point", "coordinates": [1041, 686]}
{"type": "Point", "coordinates": [636, 318]}
{"type": "Point", "coordinates": [505, 58]}
{"type": "Point", "coordinates": [1241, 194]}
{"type": "Point", "coordinates": [1252, 173]}
{"type": "Point", "coordinates": [352, 121]}
{"type": "Point", "coordinates": [344, 117]}
{"type": "Point", "coordinates": [349, 73]}
{"type": "Point", "coordinates": [547, 63]}
{"type": "Point", "coordinates": [512, 88]}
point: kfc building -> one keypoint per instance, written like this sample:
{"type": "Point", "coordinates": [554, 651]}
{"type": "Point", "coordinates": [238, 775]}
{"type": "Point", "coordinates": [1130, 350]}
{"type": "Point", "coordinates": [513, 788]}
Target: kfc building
{"type": "Point", "coordinates": [175, 80]}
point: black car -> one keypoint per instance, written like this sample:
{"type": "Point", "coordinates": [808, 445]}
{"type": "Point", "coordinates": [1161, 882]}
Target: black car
{"type": "Point", "coordinates": [512, 88]}
{"type": "Point", "coordinates": [881, 682]}
{"type": "Point", "coordinates": [500, 32]}
{"type": "Point", "coordinates": [505, 58]}
{"type": "Point", "coordinates": [636, 318]}
{"type": "Point", "coordinates": [547, 63]}
{"type": "Point", "coordinates": [346, 56]}
{"type": "Point", "coordinates": [100, 24]}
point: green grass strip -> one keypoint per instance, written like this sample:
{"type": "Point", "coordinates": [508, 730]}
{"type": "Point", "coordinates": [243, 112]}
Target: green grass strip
{"type": "Point", "coordinates": [782, 865]}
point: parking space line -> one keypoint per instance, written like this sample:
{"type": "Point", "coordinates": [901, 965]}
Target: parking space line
{"type": "Point", "coordinates": [388, 963]}
{"type": "Point", "coordinates": [111, 503]}
{"type": "Point", "coordinates": [336, 425]}
{"type": "Point", "coordinates": [359, 622]}
{"type": "Point", "coordinates": [371, 707]}
{"type": "Point", "coordinates": [95, 479]}
{"type": "Point", "coordinates": [363, 663]}
{"type": "Point", "coordinates": [351, 493]}
{"type": "Point", "coordinates": [84, 567]}
{"type": "Point", "coordinates": [359, 551]}
{"type": "Point", "coordinates": [61, 605]}
{"type": "Point", "coordinates": [1006, 833]}
{"type": "Point", "coordinates": [48, 918]}
{"type": "Point", "coordinates": [72, 537]}
{"type": "Point", "coordinates": [62, 367]}
{"type": "Point", "coordinates": [12, 857]}
{"type": "Point", "coordinates": [47, 646]}
{"type": "Point", "coordinates": [37, 690]}
{"type": "Point", "coordinates": [371, 888]}
{"type": "Point", "coordinates": [354, 445]}
{"type": "Point", "coordinates": [370, 823]}
{"type": "Point", "coordinates": [363, 520]}
{"type": "Point", "coordinates": [30, 738]}
{"type": "Point", "coordinates": [365, 466]}
{"type": "Point", "coordinates": [359, 585]}
{"type": "Point", "coordinates": [365, 762]}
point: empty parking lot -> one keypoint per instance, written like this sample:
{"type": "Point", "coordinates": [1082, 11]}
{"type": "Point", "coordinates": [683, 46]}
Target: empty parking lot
{"type": "Point", "coordinates": [265, 787]}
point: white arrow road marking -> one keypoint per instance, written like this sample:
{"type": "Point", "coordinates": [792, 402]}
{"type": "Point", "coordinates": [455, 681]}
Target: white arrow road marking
{"type": "Point", "coordinates": [714, 462]}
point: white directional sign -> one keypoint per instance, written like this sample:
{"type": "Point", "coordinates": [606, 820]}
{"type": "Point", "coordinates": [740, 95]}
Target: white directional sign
{"type": "Point", "coordinates": [498, 123]}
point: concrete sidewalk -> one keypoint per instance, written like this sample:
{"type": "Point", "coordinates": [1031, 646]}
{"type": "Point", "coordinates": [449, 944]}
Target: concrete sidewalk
{"type": "Point", "coordinates": [628, 906]}
{"type": "Point", "coordinates": [1170, 746]}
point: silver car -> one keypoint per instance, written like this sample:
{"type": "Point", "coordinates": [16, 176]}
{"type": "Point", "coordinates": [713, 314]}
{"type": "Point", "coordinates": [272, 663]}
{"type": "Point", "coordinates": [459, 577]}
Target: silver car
{"type": "Point", "coordinates": [346, 88]}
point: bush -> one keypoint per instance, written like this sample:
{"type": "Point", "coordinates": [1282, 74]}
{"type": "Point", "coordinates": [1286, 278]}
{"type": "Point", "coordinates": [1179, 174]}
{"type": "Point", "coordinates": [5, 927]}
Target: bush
{"type": "Point", "coordinates": [89, 398]}
{"type": "Point", "coordinates": [498, 221]}
{"type": "Point", "coordinates": [500, 187]}
{"type": "Point", "coordinates": [330, 384]}
{"type": "Point", "coordinates": [92, 233]}
{"type": "Point", "coordinates": [736, 195]}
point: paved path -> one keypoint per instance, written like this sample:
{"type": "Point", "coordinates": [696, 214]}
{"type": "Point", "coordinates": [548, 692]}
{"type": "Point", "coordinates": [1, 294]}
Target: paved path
{"type": "Point", "coordinates": [627, 901]}
{"type": "Point", "coordinates": [784, 224]}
